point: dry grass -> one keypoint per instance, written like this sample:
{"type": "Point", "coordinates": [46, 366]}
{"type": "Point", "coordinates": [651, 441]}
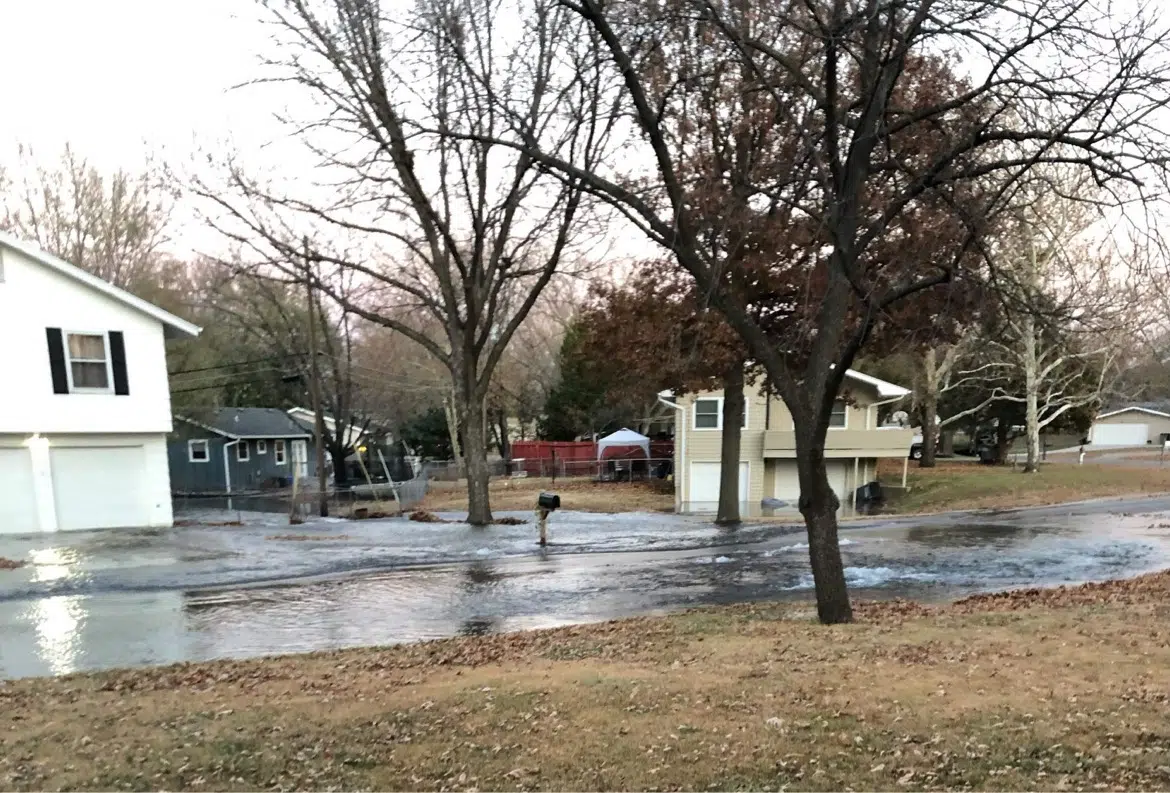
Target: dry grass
{"type": "Point", "coordinates": [578, 493]}
{"type": "Point", "coordinates": [988, 694]}
{"type": "Point", "coordinates": [972, 486]}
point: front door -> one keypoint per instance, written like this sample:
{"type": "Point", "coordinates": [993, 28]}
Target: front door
{"type": "Point", "coordinates": [300, 458]}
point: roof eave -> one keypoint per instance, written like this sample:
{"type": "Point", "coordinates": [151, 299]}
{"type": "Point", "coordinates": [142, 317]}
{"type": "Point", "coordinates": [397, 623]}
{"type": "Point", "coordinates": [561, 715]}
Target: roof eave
{"type": "Point", "coordinates": [168, 319]}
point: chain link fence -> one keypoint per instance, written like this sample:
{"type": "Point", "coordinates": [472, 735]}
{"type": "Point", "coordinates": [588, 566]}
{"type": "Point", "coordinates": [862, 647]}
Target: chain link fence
{"type": "Point", "coordinates": [219, 506]}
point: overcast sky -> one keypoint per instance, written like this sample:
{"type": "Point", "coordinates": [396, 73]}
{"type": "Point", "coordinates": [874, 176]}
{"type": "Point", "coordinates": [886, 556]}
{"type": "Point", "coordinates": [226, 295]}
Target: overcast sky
{"type": "Point", "coordinates": [117, 79]}
{"type": "Point", "coordinates": [108, 75]}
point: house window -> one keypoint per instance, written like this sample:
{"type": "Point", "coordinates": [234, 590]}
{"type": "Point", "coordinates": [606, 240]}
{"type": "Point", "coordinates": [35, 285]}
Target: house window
{"type": "Point", "coordinates": [242, 451]}
{"type": "Point", "coordinates": [839, 418]}
{"type": "Point", "coordinates": [197, 452]}
{"type": "Point", "coordinates": [278, 452]}
{"type": "Point", "coordinates": [261, 447]}
{"type": "Point", "coordinates": [89, 367]}
{"type": "Point", "coordinates": [708, 414]}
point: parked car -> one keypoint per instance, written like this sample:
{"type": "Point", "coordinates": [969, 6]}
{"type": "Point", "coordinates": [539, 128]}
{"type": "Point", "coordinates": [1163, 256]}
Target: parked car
{"type": "Point", "coordinates": [916, 445]}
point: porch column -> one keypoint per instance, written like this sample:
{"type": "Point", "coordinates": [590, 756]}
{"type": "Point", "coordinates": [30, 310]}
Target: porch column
{"type": "Point", "coordinates": [855, 477]}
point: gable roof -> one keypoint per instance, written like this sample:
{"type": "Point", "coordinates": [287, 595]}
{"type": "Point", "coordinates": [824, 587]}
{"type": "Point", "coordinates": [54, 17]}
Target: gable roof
{"type": "Point", "coordinates": [884, 388]}
{"type": "Point", "coordinates": [1152, 408]}
{"type": "Point", "coordinates": [74, 272]}
{"type": "Point", "coordinates": [249, 423]}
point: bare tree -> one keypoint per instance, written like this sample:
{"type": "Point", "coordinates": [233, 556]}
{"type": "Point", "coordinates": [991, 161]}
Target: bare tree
{"type": "Point", "coordinates": [890, 157]}
{"type": "Point", "coordinates": [115, 225]}
{"type": "Point", "coordinates": [274, 315]}
{"type": "Point", "coordinates": [1069, 306]}
{"type": "Point", "coordinates": [433, 216]}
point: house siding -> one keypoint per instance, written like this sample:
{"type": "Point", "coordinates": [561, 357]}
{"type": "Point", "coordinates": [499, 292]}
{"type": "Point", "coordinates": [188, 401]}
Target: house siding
{"type": "Point", "coordinates": [259, 471]}
{"type": "Point", "coordinates": [33, 298]}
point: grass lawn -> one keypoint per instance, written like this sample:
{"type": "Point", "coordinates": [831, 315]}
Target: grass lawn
{"type": "Point", "coordinates": [1042, 691]}
{"type": "Point", "coordinates": [972, 486]}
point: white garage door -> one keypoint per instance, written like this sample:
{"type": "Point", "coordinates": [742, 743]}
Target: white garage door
{"type": "Point", "coordinates": [705, 485]}
{"type": "Point", "coordinates": [99, 487]}
{"type": "Point", "coordinates": [1120, 434]}
{"type": "Point", "coordinates": [18, 503]}
{"type": "Point", "coordinates": [786, 482]}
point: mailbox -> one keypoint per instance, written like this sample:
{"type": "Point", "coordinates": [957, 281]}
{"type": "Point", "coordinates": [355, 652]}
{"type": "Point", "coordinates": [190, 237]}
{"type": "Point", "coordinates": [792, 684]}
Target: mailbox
{"type": "Point", "coordinates": [549, 501]}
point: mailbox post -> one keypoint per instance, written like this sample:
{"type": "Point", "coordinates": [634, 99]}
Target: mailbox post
{"type": "Point", "coordinates": [546, 504]}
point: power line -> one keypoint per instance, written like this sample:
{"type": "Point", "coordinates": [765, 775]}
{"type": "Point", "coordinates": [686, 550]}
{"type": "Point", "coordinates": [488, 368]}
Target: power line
{"type": "Point", "coordinates": [235, 363]}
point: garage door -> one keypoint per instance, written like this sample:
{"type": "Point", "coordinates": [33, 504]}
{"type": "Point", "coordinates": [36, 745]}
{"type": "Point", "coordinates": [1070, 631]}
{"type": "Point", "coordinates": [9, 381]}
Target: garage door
{"type": "Point", "coordinates": [18, 503]}
{"type": "Point", "coordinates": [705, 485]}
{"type": "Point", "coordinates": [99, 487]}
{"type": "Point", "coordinates": [1120, 434]}
{"type": "Point", "coordinates": [786, 482]}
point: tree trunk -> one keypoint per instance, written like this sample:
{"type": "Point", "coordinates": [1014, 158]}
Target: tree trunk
{"type": "Point", "coordinates": [818, 505]}
{"type": "Point", "coordinates": [451, 409]}
{"type": "Point", "coordinates": [504, 443]}
{"type": "Point", "coordinates": [1002, 439]}
{"type": "Point", "coordinates": [337, 454]}
{"type": "Point", "coordinates": [479, 512]}
{"type": "Point", "coordinates": [1031, 396]}
{"type": "Point", "coordinates": [928, 408]}
{"type": "Point", "coordinates": [733, 406]}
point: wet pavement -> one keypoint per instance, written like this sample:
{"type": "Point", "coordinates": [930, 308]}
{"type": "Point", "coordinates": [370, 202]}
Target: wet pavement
{"type": "Point", "coordinates": [122, 598]}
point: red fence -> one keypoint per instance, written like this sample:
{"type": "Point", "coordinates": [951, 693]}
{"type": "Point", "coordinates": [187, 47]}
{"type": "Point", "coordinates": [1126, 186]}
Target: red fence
{"type": "Point", "coordinates": [579, 458]}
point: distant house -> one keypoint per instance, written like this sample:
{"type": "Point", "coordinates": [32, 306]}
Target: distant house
{"type": "Point", "coordinates": [853, 446]}
{"type": "Point", "coordinates": [86, 404]}
{"type": "Point", "coordinates": [235, 449]}
{"type": "Point", "coordinates": [1132, 425]}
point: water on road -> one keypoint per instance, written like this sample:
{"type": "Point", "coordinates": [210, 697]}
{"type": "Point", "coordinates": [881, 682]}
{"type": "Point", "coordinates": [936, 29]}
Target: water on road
{"type": "Point", "coordinates": [124, 598]}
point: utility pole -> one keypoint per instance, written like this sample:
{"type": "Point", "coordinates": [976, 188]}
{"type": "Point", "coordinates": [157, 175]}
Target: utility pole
{"type": "Point", "coordinates": [315, 390]}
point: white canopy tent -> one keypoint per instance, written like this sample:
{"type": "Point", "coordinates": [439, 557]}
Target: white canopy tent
{"type": "Point", "coordinates": [623, 438]}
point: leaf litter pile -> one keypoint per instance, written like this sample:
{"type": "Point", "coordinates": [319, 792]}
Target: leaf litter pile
{"type": "Point", "coordinates": [1062, 689]}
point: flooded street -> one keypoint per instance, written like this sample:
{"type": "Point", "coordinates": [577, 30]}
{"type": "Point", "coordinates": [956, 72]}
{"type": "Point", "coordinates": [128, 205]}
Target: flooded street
{"type": "Point", "coordinates": [104, 599]}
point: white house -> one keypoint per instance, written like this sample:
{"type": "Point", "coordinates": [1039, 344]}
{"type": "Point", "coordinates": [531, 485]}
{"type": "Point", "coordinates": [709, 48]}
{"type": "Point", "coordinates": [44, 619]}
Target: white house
{"type": "Point", "coordinates": [85, 407]}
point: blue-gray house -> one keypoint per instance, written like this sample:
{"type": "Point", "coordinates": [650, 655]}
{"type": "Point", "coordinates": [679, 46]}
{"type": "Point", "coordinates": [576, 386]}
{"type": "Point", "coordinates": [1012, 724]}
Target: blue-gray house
{"type": "Point", "coordinates": [237, 449]}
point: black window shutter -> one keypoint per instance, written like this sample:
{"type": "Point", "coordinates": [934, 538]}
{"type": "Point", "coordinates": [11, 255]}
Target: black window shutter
{"type": "Point", "coordinates": [57, 360]}
{"type": "Point", "coordinates": [118, 363]}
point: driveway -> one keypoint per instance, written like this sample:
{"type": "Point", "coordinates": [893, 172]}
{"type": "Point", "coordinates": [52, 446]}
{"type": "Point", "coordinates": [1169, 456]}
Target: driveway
{"type": "Point", "coordinates": [121, 598]}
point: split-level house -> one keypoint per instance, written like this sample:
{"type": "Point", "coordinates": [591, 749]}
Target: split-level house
{"type": "Point", "coordinates": [853, 447]}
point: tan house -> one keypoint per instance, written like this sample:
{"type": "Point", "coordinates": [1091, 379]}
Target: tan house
{"type": "Point", "coordinates": [854, 444]}
{"type": "Point", "coordinates": [1135, 425]}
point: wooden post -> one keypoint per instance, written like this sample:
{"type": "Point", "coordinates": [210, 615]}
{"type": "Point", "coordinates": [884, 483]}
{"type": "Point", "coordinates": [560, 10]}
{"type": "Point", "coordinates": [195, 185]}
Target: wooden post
{"type": "Point", "coordinates": [390, 481]}
{"type": "Point", "coordinates": [855, 461]}
{"type": "Point", "coordinates": [905, 470]}
{"type": "Point", "coordinates": [369, 481]}
{"type": "Point", "coordinates": [294, 516]}
{"type": "Point", "coordinates": [542, 523]}
{"type": "Point", "coordinates": [315, 392]}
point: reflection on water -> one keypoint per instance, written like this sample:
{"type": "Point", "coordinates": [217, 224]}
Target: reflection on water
{"type": "Point", "coordinates": [57, 619]}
